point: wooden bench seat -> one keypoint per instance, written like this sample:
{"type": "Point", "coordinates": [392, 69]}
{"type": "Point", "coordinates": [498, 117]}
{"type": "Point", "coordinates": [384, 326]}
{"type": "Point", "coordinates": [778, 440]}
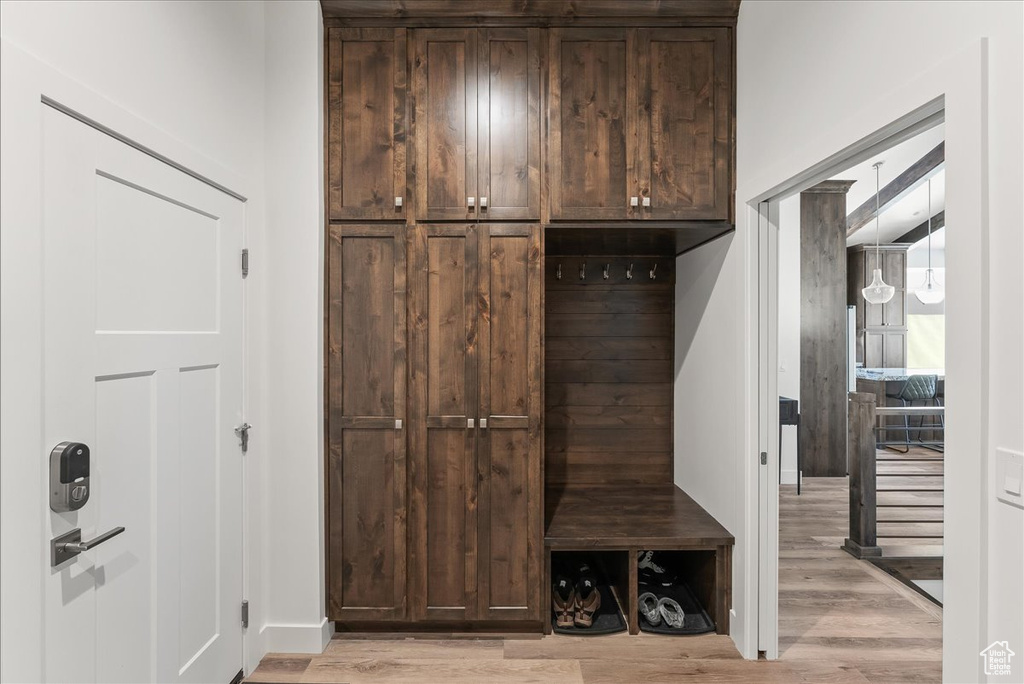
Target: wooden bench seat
{"type": "Point", "coordinates": [628, 519]}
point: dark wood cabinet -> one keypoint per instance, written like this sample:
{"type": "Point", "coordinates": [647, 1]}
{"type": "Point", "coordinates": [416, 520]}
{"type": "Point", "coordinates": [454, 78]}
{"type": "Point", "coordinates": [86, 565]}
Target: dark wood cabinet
{"type": "Point", "coordinates": [477, 124]}
{"type": "Point", "coordinates": [448, 144]}
{"type": "Point", "coordinates": [509, 456]}
{"type": "Point", "coordinates": [684, 125]}
{"type": "Point", "coordinates": [366, 123]}
{"type": "Point", "coordinates": [591, 166]}
{"type": "Point", "coordinates": [640, 123]}
{"type": "Point", "coordinates": [474, 442]}
{"type": "Point", "coordinates": [366, 399]}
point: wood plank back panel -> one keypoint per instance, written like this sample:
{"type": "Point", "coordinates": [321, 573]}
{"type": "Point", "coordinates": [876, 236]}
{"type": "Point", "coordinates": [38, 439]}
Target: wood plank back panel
{"type": "Point", "coordinates": [366, 390]}
{"type": "Point", "coordinates": [443, 371]}
{"type": "Point", "coordinates": [366, 115]}
{"type": "Point", "coordinates": [590, 164]}
{"type": "Point", "coordinates": [509, 123]}
{"type": "Point", "coordinates": [509, 456]}
{"type": "Point", "coordinates": [685, 77]}
{"type": "Point", "coordinates": [608, 372]}
{"type": "Point", "coordinates": [445, 96]}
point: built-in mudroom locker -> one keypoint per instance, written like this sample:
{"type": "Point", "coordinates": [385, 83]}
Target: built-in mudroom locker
{"type": "Point", "coordinates": [506, 194]}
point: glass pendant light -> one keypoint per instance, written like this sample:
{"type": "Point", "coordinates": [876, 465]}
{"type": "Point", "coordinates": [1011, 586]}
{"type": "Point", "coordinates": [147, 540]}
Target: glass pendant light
{"type": "Point", "coordinates": [877, 292]}
{"type": "Point", "coordinates": [931, 292]}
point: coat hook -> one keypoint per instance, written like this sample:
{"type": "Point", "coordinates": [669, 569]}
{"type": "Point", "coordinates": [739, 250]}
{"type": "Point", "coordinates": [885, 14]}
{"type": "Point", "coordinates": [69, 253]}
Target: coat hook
{"type": "Point", "coordinates": [583, 271]}
{"type": "Point", "coordinates": [607, 267]}
{"type": "Point", "coordinates": [558, 273]}
{"type": "Point", "coordinates": [653, 270]}
{"type": "Point", "coordinates": [629, 272]}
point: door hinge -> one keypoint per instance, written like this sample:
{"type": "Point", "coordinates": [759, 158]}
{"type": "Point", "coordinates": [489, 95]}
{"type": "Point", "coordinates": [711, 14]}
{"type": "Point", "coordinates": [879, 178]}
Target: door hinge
{"type": "Point", "coordinates": [243, 434]}
{"type": "Point", "coordinates": [245, 262]}
{"type": "Point", "coordinates": [245, 614]}
{"type": "Point", "coordinates": [764, 458]}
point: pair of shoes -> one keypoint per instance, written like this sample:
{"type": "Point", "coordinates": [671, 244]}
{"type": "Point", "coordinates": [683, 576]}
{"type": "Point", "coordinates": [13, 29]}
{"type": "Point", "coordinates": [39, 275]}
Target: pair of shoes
{"type": "Point", "coordinates": [656, 610]}
{"type": "Point", "coordinates": [575, 604]}
{"type": "Point", "coordinates": [653, 569]}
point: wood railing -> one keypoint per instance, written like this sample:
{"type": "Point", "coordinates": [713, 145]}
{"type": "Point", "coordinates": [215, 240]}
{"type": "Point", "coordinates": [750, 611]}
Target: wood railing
{"type": "Point", "coordinates": [862, 451]}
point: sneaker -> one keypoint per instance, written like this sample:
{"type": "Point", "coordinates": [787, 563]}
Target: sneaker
{"type": "Point", "coordinates": [563, 602]}
{"type": "Point", "coordinates": [652, 569]}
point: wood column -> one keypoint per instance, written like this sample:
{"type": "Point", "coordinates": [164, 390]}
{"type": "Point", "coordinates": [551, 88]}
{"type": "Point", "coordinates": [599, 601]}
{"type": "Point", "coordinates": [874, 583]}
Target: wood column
{"type": "Point", "coordinates": [863, 539]}
{"type": "Point", "coordinates": [823, 329]}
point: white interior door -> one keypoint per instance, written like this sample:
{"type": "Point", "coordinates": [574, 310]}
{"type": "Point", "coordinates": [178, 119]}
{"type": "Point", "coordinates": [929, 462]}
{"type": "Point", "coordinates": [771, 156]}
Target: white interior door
{"type": "Point", "coordinates": [143, 354]}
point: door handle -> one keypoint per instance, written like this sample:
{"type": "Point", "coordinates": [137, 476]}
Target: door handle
{"type": "Point", "coordinates": [67, 546]}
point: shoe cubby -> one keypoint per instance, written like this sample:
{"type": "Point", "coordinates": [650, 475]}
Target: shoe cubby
{"type": "Point", "coordinates": [674, 590]}
{"type": "Point", "coordinates": [578, 576]}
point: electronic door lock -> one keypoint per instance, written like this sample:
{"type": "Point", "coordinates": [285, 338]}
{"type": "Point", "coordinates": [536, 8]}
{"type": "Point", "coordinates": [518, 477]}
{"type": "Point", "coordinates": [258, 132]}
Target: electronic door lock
{"type": "Point", "coordinates": [69, 476]}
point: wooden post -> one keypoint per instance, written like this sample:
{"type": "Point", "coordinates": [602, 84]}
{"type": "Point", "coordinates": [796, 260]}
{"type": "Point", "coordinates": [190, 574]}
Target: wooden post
{"type": "Point", "coordinates": [863, 540]}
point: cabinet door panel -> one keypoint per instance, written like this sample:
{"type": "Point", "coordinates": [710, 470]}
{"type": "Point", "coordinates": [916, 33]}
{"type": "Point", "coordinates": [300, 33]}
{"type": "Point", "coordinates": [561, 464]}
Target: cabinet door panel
{"type": "Point", "coordinates": [366, 115]}
{"type": "Point", "coordinates": [590, 164]}
{"type": "Point", "coordinates": [685, 77]}
{"type": "Point", "coordinates": [444, 399]}
{"type": "Point", "coordinates": [510, 521]}
{"type": "Point", "coordinates": [894, 271]}
{"type": "Point", "coordinates": [509, 121]}
{"type": "Point", "coordinates": [445, 91]}
{"type": "Point", "coordinates": [365, 397]}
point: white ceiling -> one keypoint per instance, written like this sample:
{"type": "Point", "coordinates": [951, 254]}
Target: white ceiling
{"type": "Point", "coordinates": [910, 210]}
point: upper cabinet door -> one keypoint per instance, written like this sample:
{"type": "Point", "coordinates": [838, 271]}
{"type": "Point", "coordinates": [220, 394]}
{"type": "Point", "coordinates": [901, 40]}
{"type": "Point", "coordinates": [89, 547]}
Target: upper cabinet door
{"type": "Point", "coordinates": [509, 121]}
{"type": "Point", "coordinates": [685, 130]}
{"type": "Point", "coordinates": [445, 94]}
{"type": "Point", "coordinates": [366, 120]}
{"type": "Point", "coordinates": [591, 109]}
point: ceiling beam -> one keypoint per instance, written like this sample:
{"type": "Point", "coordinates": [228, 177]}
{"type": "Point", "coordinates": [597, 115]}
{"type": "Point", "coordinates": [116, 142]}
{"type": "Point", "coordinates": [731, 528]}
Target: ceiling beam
{"type": "Point", "coordinates": [918, 172]}
{"type": "Point", "coordinates": [920, 232]}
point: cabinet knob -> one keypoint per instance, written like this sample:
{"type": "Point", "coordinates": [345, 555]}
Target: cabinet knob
{"type": "Point", "coordinates": [633, 201]}
{"type": "Point", "coordinates": [398, 203]}
{"type": "Point", "coordinates": [470, 423]}
{"type": "Point", "coordinates": [483, 203]}
{"type": "Point", "coordinates": [471, 202]}
{"type": "Point", "coordinates": [483, 423]}
{"type": "Point", "coordinates": [647, 201]}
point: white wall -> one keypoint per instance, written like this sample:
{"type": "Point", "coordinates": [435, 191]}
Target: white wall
{"type": "Point", "coordinates": [795, 110]}
{"type": "Point", "coordinates": [789, 322]}
{"type": "Point", "coordinates": [293, 513]}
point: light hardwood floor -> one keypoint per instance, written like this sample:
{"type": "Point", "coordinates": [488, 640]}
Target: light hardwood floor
{"type": "Point", "coordinates": [840, 620]}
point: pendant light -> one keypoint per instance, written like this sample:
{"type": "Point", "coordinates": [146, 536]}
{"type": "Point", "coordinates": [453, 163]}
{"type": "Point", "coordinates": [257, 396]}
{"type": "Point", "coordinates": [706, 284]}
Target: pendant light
{"type": "Point", "coordinates": [931, 292]}
{"type": "Point", "coordinates": [877, 292]}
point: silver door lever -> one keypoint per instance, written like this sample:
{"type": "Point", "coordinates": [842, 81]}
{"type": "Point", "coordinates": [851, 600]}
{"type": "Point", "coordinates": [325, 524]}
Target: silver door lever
{"type": "Point", "coordinates": [67, 546]}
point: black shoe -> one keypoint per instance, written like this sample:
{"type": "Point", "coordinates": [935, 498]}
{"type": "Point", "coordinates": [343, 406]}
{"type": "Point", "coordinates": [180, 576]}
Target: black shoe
{"type": "Point", "coordinates": [652, 569]}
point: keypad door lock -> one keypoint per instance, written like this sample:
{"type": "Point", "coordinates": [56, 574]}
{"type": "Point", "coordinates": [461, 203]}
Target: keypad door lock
{"type": "Point", "coordinates": [69, 476]}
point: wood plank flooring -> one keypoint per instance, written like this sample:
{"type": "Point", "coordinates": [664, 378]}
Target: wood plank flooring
{"type": "Point", "coordinates": [840, 620]}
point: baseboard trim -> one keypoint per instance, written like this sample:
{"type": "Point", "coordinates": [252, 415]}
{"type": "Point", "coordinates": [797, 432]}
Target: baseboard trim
{"type": "Point", "coordinates": [297, 638]}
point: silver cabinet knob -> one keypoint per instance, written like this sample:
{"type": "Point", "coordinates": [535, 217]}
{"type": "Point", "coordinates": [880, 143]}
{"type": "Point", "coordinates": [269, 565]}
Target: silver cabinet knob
{"type": "Point", "coordinates": [647, 201]}
{"type": "Point", "coordinates": [633, 201]}
{"type": "Point", "coordinates": [483, 203]}
{"type": "Point", "coordinates": [470, 423]}
{"type": "Point", "coordinates": [398, 423]}
{"type": "Point", "coordinates": [471, 202]}
{"type": "Point", "coordinates": [398, 203]}
{"type": "Point", "coordinates": [483, 423]}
